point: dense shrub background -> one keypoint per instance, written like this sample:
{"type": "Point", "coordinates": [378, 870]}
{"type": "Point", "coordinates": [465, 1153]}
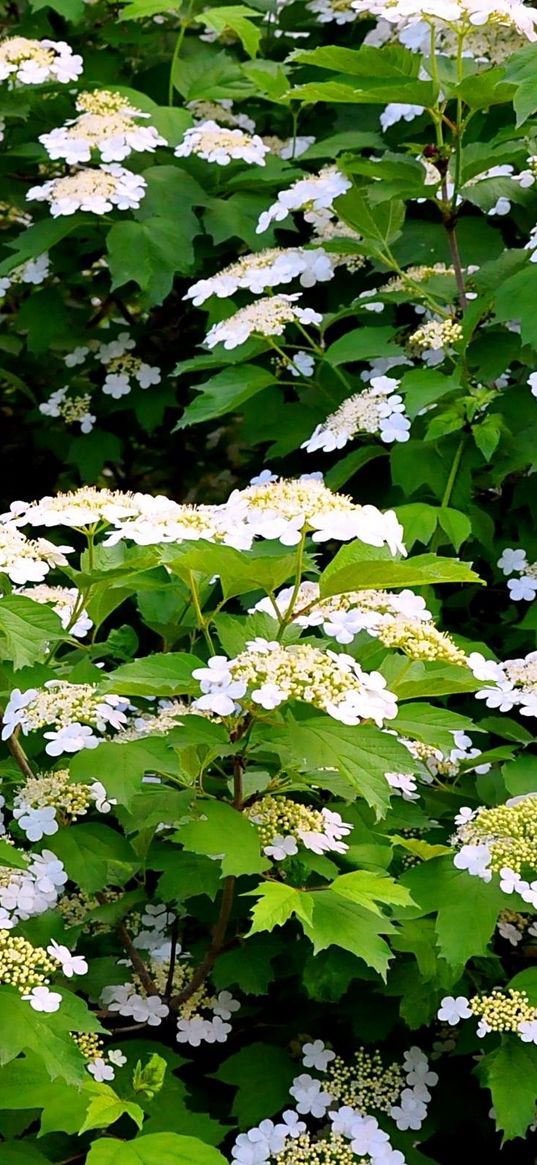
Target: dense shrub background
{"type": "Point", "coordinates": [440, 195]}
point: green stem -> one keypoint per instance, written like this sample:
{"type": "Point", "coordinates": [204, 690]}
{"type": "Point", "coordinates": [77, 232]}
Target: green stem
{"type": "Point", "coordinates": [199, 614]}
{"type": "Point", "coordinates": [185, 21]}
{"type": "Point", "coordinates": [435, 78]}
{"type": "Point", "coordinates": [298, 579]}
{"type": "Point", "coordinates": [446, 496]}
{"type": "Point", "coordinates": [90, 535]}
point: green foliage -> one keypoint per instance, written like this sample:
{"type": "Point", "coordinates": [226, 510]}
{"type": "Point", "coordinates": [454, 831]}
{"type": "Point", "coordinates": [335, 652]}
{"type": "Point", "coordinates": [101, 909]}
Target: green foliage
{"type": "Point", "coordinates": [249, 797]}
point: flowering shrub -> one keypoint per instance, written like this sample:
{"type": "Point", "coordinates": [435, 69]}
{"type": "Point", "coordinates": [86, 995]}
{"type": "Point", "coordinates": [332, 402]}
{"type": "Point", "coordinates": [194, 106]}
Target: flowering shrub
{"type": "Point", "coordinates": [268, 571]}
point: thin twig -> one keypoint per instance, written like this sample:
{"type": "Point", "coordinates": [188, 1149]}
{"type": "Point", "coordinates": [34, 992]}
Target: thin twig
{"type": "Point", "coordinates": [217, 943]}
{"type": "Point", "coordinates": [134, 955]}
{"type": "Point", "coordinates": [173, 956]}
{"type": "Point", "coordinates": [450, 221]}
{"type": "Point", "coordinates": [136, 960]}
{"type": "Point", "coordinates": [19, 756]}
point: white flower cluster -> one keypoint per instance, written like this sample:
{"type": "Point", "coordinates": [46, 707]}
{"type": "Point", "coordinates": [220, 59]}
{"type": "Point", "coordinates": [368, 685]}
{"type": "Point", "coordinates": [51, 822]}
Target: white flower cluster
{"type": "Point", "coordinates": [283, 508]}
{"type": "Point", "coordinates": [41, 799]}
{"type": "Point", "coordinates": [501, 1011]}
{"type": "Point", "coordinates": [282, 824]}
{"type": "Point", "coordinates": [502, 840]}
{"type": "Point", "coordinates": [34, 62]}
{"type": "Point", "coordinates": [201, 1018]}
{"type": "Point", "coordinates": [155, 920]}
{"type": "Point", "coordinates": [515, 685]}
{"type": "Point", "coordinates": [343, 616]}
{"type": "Point", "coordinates": [122, 373]}
{"type": "Point", "coordinates": [278, 508]}
{"type": "Point", "coordinates": [267, 317]}
{"type": "Point", "coordinates": [516, 562]}
{"type": "Point", "coordinates": [434, 339]}
{"type": "Point", "coordinates": [127, 1001]}
{"type": "Point", "coordinates": [74, 410]}
{"type": "Point", "coordinates": [204, 1019]}
{"type": "Point", "coordinates": [169, 714]}
{"type": "Point", "coordinates": [399, 620]}
{"type": "Point", "coordinates": [28, 560]}
{"type": "Point", "coordinates": [378, 409]}
{"type": "Point", "coordinates": [76, 712]}
{"type": "Point", "coordinates": [216, 143]}
{"type": "Point", "coordinates": [413, 15]}
{"type": "Point", "coordinates": [365, 1083]}
{"type": "Point", "coordinates": [124, 370]}
{"type": "Point", "coordinates": [433, 762]}
{"type": "Point", "coordinates": [25, 893]}
{"type": "Point", "coordinates": [352, 1132]}
{"type": "Point", "coordinates": [514, 927]}
{"type": "Point", "coordinates": [264, 269]}
{"type": "Point", "coordinates": [107, 125]}
{"type": "Point", "coordinates": [313, 195]}
{"type": "Point", "coordinates": [268, 675]}
{"type": "Point", "coordinates": [98, 191]}
{"type": "Point", "coordinates": [33, 272]}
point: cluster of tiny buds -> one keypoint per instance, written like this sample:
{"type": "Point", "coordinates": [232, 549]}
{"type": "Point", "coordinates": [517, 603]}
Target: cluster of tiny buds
{"type": "Point", "coordinates": [56, 789]}
{"type": "Point", "coordinates": [282, 824]}
{"type": "Point", "coordinates": [365, 1082]}
{"type": "Point", "coordinates": [89, 1043]}
{"type": "Point", "coordinates": [22, 965]}
{"type": "Point", "coordinates": [436, 335]}
{"type": "Point", "coordinates": [304, 1150]}
{"type": "Point", "coordinates": [420, 641]}
{"type": "Point", "coordinates": [76, 908]}
{"type": "Point", "coordinates": [509, 831]}
{"type": "Point", "coordinates": [503, 1011]}
{"type": "Point", "coordinates": [272, 815]}
{"type": "Point", "coordinates": [418, 274]}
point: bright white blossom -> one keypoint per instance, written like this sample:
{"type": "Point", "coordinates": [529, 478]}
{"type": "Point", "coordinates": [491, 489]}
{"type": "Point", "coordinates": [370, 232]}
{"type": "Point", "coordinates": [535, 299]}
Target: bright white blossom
{"type": "Point", "coordinates": [216, 143]}
{"type": "Point", "coordinates": [454, 1008]}
{"type": "Point", "coordinates": [284, 508]}
{"type": "Point", "coordinates": [98, 190]}
{"type": "Point", "coordinates": [317, 1055]}
{"type": "Point", "coordinates": [516, 686]}
{"type": "Point", "coordinates": [268, 675]}
{"type": "Point", "coordinates": [465, 13]}
{"type": "Point", "coordinates": [26, 560]}
{"type": "Point", "coordinates": [100, 1070]}
{"type": "Point", "coordinates": [395, 112]}
{"type": "Point", "coordinates": [74, 712]}
{"type": "Point", "coordinates": [42, 999]}
{"type": "Point", "coordinates": [72, 409]}
{"type": "Point", "coordinates": [378, 409]}
{"type": "Point", "coordinates": [33, 272]}
{"type": "Point", "coordinates": [263, 269]}
{"type": "Point", "coordinates": [107, 125]}
{"type": "Point", "coordinates": [267, 317]}
{"type": "Point", "coordinates": [34, 62]}
{"type": "Point", "coordinates": [312, 195]}
{"type": "Point", "coordinates": [70, 964]}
